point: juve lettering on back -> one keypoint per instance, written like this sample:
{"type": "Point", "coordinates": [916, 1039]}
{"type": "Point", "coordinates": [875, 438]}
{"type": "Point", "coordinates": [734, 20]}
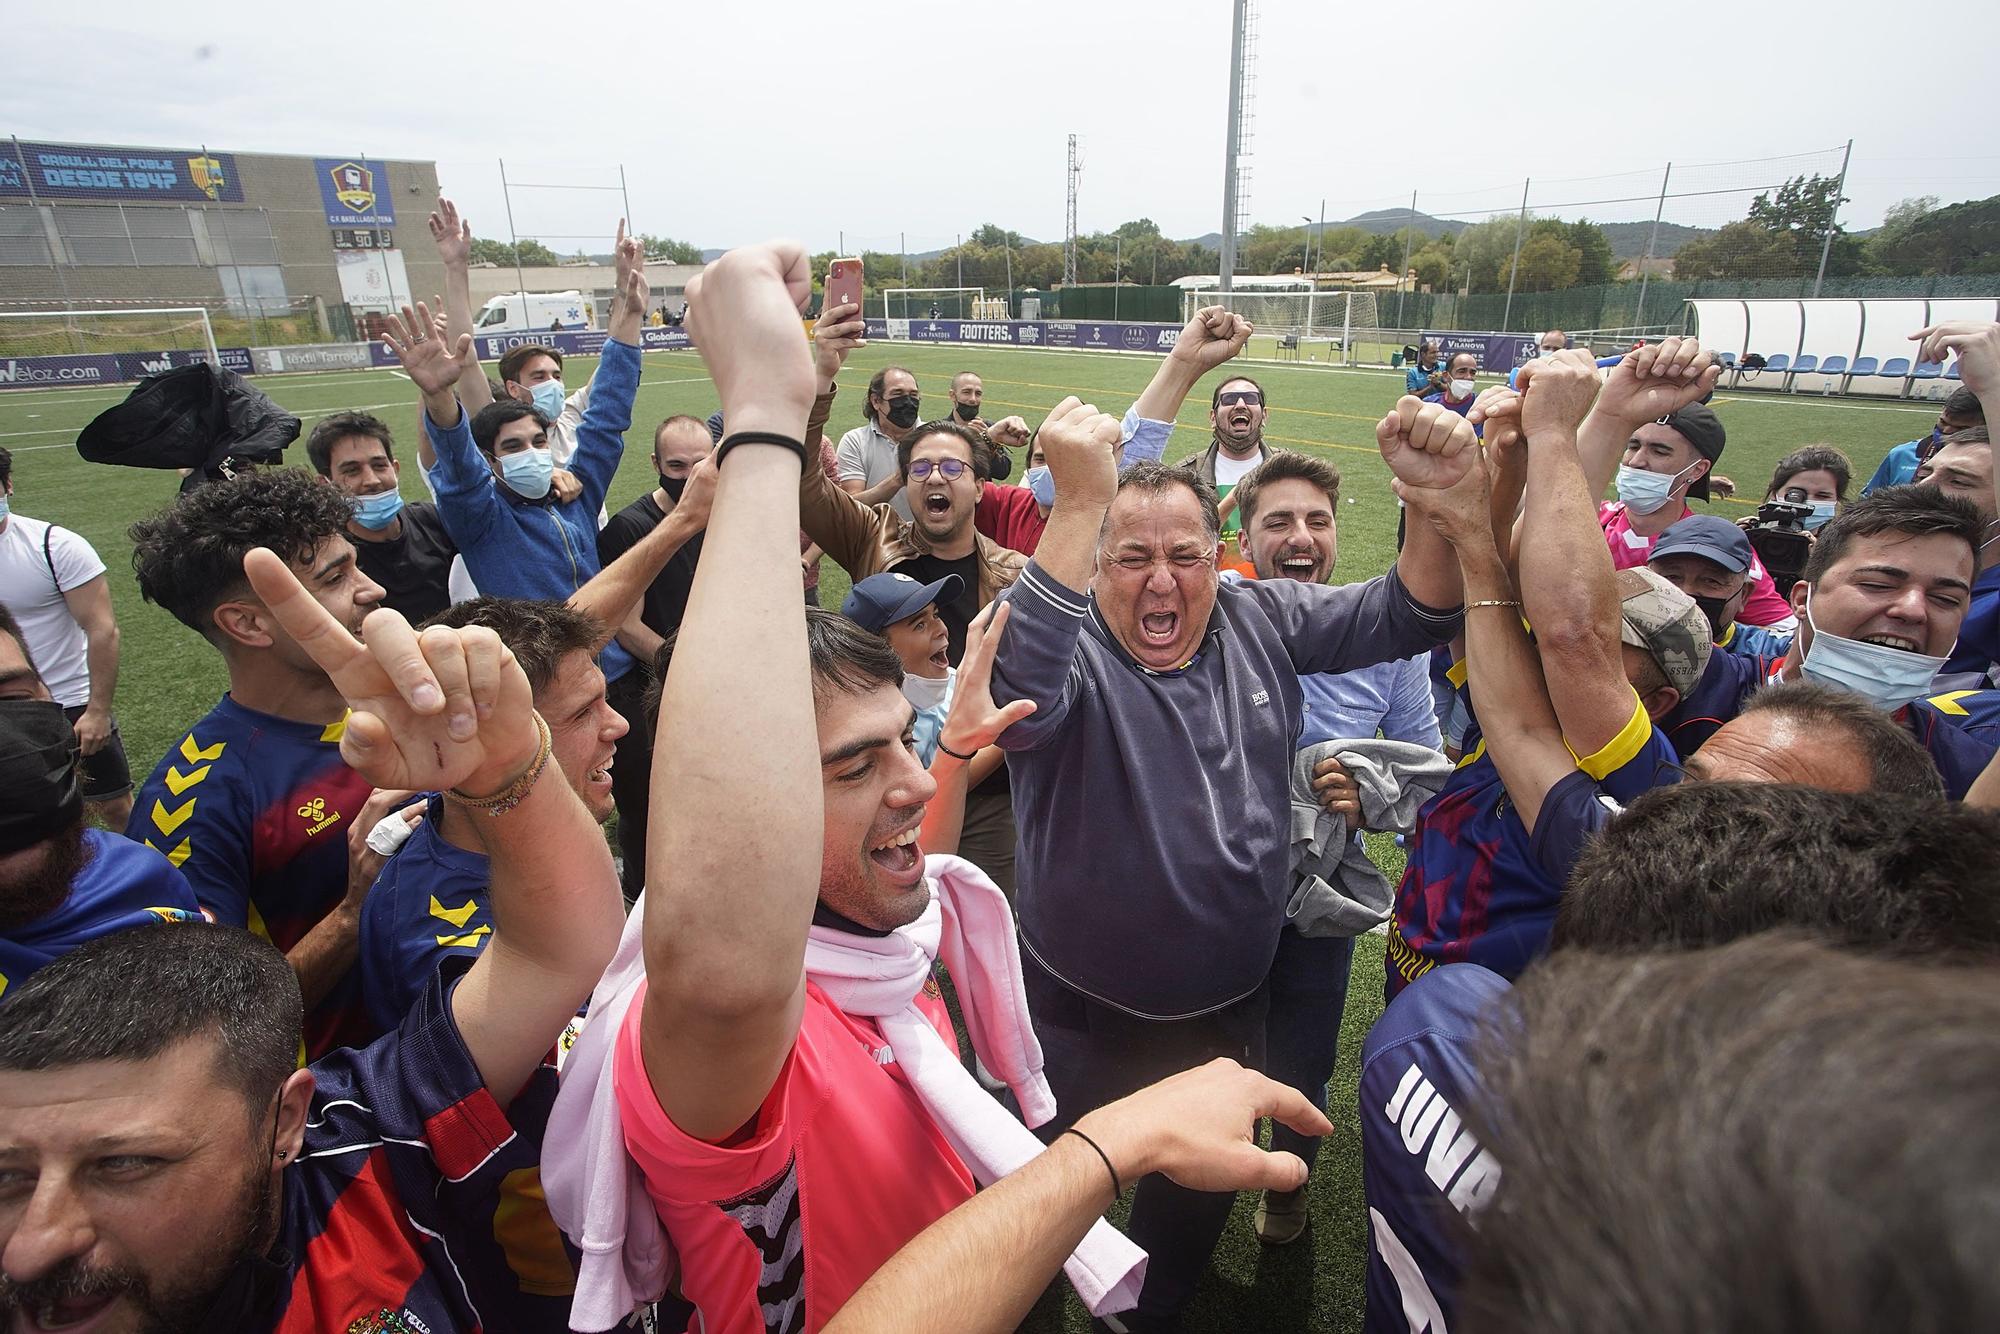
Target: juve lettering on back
{"type": "Point", "coordinates": [1431, 1129]}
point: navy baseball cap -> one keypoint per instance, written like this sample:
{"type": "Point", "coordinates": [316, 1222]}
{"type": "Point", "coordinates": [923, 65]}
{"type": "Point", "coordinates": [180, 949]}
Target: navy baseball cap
{"type": "Point", "coordinates": [880, 600]}
{"type": "Point", "coordinates": [1709, 536]}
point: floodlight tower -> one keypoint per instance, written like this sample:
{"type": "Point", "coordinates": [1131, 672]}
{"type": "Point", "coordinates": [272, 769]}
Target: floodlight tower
{"type": "Point", "coordinates": [1069, 225]}
{"type": "Point", "coordinates": [1236, 172]}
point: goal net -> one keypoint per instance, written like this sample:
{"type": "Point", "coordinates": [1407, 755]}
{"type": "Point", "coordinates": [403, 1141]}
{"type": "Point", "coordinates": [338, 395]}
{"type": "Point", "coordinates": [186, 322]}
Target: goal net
{"type": "Point", "coordinates": [1342, 318]}
{"type": "Point", "coordinates": [59, 333]}
{"type": "Point", "coordinates": [935, 303]}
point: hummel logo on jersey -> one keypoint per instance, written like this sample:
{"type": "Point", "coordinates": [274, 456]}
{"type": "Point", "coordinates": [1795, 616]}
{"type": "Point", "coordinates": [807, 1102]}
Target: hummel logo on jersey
{"type": "Point", "coordinates": [315, 814]}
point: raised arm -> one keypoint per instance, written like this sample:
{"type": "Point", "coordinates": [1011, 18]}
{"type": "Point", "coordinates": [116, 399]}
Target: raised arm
{"type": "Point", "coordinates": [1651, 382]}
{"type": "Point", "coordinates": [978, 1269]}
{"type": "Point", "coordinates": [453, 237]}
{"type": "Point", "coordinates": [614, 593]}
{"type": "Point", "coordinates": [1212, 337]}
{"type": "Point", "coordinates": [1977, 343]}
{"type": "Point", "coordinates": [1428, 447]}
{"type": "Point", "coordinates": [1566, 579]}
{"type": "Point", "coordinates": [451, 710]}
{"type": "Point", "coordinates": [971, 727]}
{"type": "Point", "coordinates": [1516, 720]}
{"type": "Point", "coordinates": [600, 433]}
{"type": "Point", "coordinates": [726, 971]}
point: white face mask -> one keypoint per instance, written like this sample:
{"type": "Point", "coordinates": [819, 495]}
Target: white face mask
{"type": "Point", "coordinates": [926, 693]}
{"type": "Point", "coordinates": [1461, 389]}
{"type": "Point", "coordinates": [1886, 677]}
{"type": "Point", "coordinates": [1547, 352]}
{"type": "Point", "coordinates": [1645, 492]}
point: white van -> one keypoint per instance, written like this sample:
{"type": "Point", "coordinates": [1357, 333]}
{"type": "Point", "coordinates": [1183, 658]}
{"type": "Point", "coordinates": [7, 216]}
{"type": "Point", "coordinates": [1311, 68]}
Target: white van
{"type": "Point", "coordinates": [534, 312]}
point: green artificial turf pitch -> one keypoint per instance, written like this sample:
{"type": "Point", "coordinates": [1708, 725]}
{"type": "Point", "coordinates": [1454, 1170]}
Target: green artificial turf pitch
{"type": "Point", "coordinates": [169, 676]}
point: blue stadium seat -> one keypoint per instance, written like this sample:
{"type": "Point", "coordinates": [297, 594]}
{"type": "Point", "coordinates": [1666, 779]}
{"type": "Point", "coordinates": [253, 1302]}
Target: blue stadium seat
{"type": "Point", "coordinates": [1895, 368]}
{"type": "Point", "coordinates": [1806, 364]}
{"type": "Point", "coordinates": [1833, 368]}
{"type": "Point", "coordinates": [1927, 370]}
{"type": "Point", "coordinates": [1864, 366]}
{"type": "Point", "coordinates": [1951, 371]}
{"type": "Point", "coordinates": [1781, 362]}
{"type": "Point", "coordinates": [1726, 360]}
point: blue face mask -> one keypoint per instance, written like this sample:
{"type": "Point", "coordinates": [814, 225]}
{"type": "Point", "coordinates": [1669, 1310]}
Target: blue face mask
{"type": "Point", "coordinates": [1822, 511]}
{"type": "Point", "coordinates": [6, 505]}
{"type": "Point", "coordinates": [548, 396]}
{"type": "Point", "coordinates": [1645, 492]}
{"type": "Point", "coordinates": [528, 472]}
{"type": "Point", "coordinates": [378, 511]}
{"type": "Point", "coordinates": [1886, 677]}
{"type": "Point", "coordinates": [1043, 483]}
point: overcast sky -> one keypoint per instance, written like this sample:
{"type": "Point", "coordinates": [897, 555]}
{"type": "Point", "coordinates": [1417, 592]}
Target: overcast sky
{"type": "Point", "coordinates": [737, 121]}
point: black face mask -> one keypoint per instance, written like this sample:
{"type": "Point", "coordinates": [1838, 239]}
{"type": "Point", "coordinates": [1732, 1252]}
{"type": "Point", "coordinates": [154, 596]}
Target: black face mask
{"type": "Point", "coordinates": [39, 793]}
{"type": "Point", "coordinates": [1713, 608]}
{"type": "Point", "coordinates": [966, 411]}
{"type": "Point", "coordinates": [902, 413]}
{"type": "Point", "coordinates": [673, 486]}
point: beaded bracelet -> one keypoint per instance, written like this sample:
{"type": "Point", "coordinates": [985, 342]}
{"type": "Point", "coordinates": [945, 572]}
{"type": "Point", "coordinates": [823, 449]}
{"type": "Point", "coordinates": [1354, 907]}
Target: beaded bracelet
{"type": "Point", "coordinates": [512, 795]}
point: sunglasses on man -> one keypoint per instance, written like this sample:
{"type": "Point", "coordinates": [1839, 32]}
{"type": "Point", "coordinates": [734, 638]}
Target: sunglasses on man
{"type": "Point", "coordinates": [1247, 397]}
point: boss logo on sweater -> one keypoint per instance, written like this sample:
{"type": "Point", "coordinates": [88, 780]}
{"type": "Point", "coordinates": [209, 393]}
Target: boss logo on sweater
{"type": "Point", "coordinates": [1261, 697]}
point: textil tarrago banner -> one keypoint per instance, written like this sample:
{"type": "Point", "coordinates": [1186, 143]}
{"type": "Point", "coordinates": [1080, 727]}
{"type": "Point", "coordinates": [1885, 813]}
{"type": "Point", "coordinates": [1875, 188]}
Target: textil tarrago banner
{"type": "Point", "coordinates": [85, 171]}
{"type": "Point", "coordinates": [1496, 351]}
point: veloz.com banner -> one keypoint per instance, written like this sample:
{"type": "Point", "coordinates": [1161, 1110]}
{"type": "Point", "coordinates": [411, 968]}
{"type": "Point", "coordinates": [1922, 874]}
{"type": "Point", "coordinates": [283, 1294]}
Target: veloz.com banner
{"type": "Point", "coordinates": [85, 171]}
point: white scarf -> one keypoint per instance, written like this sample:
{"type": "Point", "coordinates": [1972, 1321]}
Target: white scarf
{"type": "Point", "coordinates": [970, 927]}
{"type": "Point", "coordinates": [598, 1195]}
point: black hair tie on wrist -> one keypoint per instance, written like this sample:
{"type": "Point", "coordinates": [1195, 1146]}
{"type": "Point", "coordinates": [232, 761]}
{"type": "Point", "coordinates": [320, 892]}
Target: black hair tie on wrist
{"type": "Point", "coordinates": [1117, 1186]}
{"type": "Point", "coordinates": [736, 438]}
{"type": "Point", "coordinates": [954, 754]}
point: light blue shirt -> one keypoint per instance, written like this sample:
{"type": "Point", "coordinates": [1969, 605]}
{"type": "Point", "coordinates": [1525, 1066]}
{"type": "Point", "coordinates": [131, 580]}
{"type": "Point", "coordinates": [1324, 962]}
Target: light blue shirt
{"type": "Point", "coordinates": [1394, 697]}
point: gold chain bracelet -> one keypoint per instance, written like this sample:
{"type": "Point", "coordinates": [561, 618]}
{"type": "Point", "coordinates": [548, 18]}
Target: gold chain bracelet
{"type": "Point", "coordinates": [512, 795]}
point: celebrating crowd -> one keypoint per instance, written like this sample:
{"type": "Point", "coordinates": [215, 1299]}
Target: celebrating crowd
{"type": "Point", "coordinates": [1028, 880]}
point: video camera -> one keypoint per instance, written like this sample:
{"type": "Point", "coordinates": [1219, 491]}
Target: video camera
{"type": "Point", "coordinates": [1780, 539]}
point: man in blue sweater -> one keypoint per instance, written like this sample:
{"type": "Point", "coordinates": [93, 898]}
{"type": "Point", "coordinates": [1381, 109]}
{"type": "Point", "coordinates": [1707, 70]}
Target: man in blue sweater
{"type": "Point", "coordinates": [1162, 698]}
{"type": "Point", "coordinates": [494, 470]}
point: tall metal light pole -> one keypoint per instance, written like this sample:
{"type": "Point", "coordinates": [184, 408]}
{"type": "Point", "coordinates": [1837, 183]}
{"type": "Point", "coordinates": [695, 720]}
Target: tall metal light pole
{"type": "Point", "coordinates": [1402, 279]}
{"type": "Point", "coordinates": [1646, 264]}
{"type": "Point", "coordinates": [1513, 270]}
{"type": "Point", "coordinates": [1235, 139]}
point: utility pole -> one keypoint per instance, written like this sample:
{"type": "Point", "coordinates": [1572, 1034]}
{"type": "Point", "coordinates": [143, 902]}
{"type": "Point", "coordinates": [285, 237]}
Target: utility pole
{"type": "Point", "coordinates": [1233, 146]}
{"type": "Point", "coordinates": [1831, 218]}
{"type": "Point", "coordinates": [1069, 217]}
{"type": "Point", "coordinates": [1513, 270]}
{"type": "Point", "coordinates": [1402, 279]}
{"type": "Point", "coordinates": [1646, 264]}
{"type": "Point", "coordinates": [961, 259]}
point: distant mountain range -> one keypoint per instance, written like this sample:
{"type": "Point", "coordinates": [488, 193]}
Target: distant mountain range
{"type": "Point", "coordinates": [1628, 239]}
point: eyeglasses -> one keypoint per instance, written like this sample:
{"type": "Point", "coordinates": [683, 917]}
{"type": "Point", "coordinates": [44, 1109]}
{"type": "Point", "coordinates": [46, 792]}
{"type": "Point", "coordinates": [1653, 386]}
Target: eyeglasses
{"type": "Point", "coordinates": [1248, 397]}
{"type": "Point", "coordinates": [950, 469]}
{"type": "Point", "coordinates": [1184, 562]}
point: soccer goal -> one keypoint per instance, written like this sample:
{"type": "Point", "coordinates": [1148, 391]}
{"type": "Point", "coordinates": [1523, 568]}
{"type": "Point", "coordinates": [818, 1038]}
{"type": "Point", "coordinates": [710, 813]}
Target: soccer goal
{"type": "Point", "coordinates": [60, 333]}
{"type": "Point", "coordinates": [1340, 319]}
{"type": "Point", "coordinates": [933, 303]}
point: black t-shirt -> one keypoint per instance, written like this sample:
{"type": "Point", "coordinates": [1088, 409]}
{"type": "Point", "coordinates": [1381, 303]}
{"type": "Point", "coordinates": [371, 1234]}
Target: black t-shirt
{"type": "Point", "coordinates": [414, 568]}
{"type": "Point", "coordinates": [958, 613]}
{"type": "Point", "coordinates": [666, 599]}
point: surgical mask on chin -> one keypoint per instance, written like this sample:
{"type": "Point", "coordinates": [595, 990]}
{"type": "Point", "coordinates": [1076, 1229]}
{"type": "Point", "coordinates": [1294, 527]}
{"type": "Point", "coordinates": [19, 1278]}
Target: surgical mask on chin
{"type": "Point", "coordinates": [1547, 352]}
{"type": "Point", "coordinates": [378, 511]}
{"type": "Point", "coordinates": [926, 693]}
{"type": "Point", "coordinates": [1822, 511]}
{"type": "Point", "coordinates": [1886, 677]}
{"type": "Point", "coordinates": [1042, 482]}
{"type": "Point", "coordinates": [1645, 492]}
{"type": "Point", "coordinates": [528, 472]}
{"type": "Point", "coordinates": [1460, 389]}
{"type": "Point", "coordinates": [6, 506]}
{"type": "Point", "coordinates": [548, 398]}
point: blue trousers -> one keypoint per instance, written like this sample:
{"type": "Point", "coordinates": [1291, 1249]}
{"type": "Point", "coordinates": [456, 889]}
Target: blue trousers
{"type": "Point", "coordinates": [1302, 1031]}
